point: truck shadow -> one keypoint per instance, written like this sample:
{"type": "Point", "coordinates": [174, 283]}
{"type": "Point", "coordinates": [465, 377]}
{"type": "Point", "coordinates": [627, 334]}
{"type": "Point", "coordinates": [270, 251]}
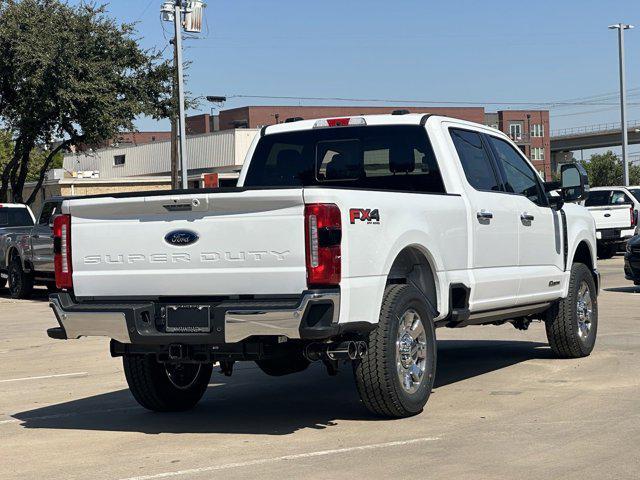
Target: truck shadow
{"type": "Point", "coordinates": [39, 294]}
{"type": "Point", "coordinates": [631, 289]}
{"type": "Point", "coordinates": [252, 403]}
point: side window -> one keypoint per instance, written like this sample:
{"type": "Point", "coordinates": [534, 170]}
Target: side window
{"type": "Point", "coordinates": [49, 210]}
{"type": "Point", "coordinates": [475, 160]}
{"type": "Point", "coordinates": [619, 198]}
{"type": "Point", "coordinates": [519, 177]}
{"type": "Point", "coordinates": [598, 198]}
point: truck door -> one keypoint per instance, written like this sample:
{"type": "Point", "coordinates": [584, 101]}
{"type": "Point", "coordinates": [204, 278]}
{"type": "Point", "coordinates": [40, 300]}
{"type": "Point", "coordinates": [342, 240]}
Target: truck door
{"type": "Point", "coordinates": [42, 238]}
{"type": "Point", "coordinates": [540, 258]}
{"type": "Point", "coordinates": [493, 225]}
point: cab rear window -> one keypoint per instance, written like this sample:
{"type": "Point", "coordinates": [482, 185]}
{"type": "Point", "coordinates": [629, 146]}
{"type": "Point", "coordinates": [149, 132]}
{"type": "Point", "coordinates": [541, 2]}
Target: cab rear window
{"type": "Point", "coordinates": [397, 157]}
{"type": "Point", "coordinates": [15, 217]}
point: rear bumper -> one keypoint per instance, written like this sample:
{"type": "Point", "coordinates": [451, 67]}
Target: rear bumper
{"type": "Point", "coordinates": [313, 315]}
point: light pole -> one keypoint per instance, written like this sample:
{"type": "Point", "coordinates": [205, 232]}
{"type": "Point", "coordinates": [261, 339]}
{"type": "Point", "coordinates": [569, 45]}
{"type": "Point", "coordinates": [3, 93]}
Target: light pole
{"type": "Point", "coordinates": [187, 15]}
{"type": "Point", "coordinates": [621, 27]}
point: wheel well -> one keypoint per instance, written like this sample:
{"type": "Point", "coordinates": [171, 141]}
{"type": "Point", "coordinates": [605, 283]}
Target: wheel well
{"type": "Point", "coordinates": [583, 255]}
{"type": "Point", "coordinates": [411, 266]}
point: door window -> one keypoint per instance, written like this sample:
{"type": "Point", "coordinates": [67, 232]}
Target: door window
{"type": "Point", "coordinates": [519, 177]}
{"type": "Point", "coordinates": [475, 160]}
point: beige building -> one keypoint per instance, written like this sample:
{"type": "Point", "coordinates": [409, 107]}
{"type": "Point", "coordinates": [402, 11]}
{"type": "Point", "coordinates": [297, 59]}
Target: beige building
{"type": "Point", "coordinates": [146, 167]}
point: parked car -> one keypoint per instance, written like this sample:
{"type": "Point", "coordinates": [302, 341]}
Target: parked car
{"type": "Point", "coordinates": [632, 260]}
{"type": "Point", "coordinates": [615, 211]}
{"type": "Point", "coordinates": [26, 252]}
{"type": "Point", "coordinates": [347, 239]}
{"type": "Point", "coordinates": [13, 218]}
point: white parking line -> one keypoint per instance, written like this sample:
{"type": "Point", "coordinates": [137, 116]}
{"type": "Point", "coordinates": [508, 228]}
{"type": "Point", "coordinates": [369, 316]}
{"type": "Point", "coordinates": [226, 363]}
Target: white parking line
{"type": "Point", "coordinates": [250, 463]}
{"type": "Point", "coordinates": [76, 374]}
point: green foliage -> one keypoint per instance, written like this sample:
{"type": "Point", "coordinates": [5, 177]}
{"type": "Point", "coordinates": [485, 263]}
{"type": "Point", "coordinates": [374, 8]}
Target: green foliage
{"type": "Point", "coordinates": [71, 72]}
{"type": "Point", "coordinates": [606, 170]}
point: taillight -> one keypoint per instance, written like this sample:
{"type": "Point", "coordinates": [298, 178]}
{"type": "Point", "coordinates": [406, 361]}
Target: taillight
{"type": "Point", "coordinates": [62, 251]}
{"type": "Point", "coordinates": [634, 214]}
{"type": "Point", "coordinates": [323, 234]}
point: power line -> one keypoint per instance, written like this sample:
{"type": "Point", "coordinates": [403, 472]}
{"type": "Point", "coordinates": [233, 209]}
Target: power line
{"type": "Point", "coordinates": [425, 102]}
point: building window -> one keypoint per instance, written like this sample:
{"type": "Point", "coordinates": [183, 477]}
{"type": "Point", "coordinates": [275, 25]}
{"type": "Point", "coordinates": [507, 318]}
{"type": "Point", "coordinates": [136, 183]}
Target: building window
{"type": "Point", "coordinates": [537, 130]}
{"type": "Point", "coordinates": [515, 131]}
{"type": "Point", "coordinates": [118, 160]}
{"type": "Point", "coordinates": [537, 153]}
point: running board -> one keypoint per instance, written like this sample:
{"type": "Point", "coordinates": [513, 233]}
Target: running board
{"type": "Point", "coordinates": [499, 315]}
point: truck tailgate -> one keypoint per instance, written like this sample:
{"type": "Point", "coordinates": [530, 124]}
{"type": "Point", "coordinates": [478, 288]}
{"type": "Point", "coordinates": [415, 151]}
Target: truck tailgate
{"type": "Point", "coordinates": [244, 242]}
{"type": "Point", "coordinates": [611, 216]}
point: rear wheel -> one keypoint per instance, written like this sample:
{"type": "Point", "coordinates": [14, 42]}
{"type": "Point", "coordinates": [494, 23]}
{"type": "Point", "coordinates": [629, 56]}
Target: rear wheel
{"type": "Point", "coordinates": [20, 282]}
{"type": "Point", "coordinates": [572, 324]}
{"type": "Point", "coordinates": [165, 387]}
{"type": "Point", "coordinates": [3, 282]}
{"type": "Point", "coordinates": [396, 375]}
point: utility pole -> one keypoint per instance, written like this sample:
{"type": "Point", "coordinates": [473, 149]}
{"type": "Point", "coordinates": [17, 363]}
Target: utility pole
{"type": "Point", "coordinates": [621, 27]}
{"type": "Point", "coordinates": [182, 136]}
{"type": "Point", "coordinates": [175, 168]}
{"type": "Point", "coordinates": [191, 12]}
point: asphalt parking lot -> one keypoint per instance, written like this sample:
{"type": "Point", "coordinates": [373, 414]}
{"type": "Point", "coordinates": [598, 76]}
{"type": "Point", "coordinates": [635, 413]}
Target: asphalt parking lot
{"type": "Point", "coordinates": [502, 408]}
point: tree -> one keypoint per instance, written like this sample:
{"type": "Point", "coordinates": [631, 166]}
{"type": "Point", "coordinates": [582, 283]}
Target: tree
{"type": "Point", "coordinates": [604, 169]}
{"type": "Point", "coordinates": [74, 74]}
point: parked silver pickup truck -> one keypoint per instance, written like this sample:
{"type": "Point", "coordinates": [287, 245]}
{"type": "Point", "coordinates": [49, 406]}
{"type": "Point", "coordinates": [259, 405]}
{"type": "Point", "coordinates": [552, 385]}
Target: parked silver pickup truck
{"type": "Point", "coordinates": [26, 248]}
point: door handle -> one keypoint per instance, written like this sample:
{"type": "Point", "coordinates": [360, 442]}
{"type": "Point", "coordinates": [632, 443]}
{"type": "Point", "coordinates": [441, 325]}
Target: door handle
{"type": "Point", "coordinates": [484, 215]}
{"type": "Point", "coordinates": [525, 217]}
{"type": "Point", "coordinates": [35, 237]}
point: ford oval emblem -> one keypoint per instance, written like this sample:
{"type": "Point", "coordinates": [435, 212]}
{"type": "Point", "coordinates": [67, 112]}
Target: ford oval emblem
{"type": "Point", "coordinates": [181, 238]}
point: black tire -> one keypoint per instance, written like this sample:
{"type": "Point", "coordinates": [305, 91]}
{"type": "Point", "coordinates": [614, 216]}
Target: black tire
{"type": "Point", "coordinates": [152, 387]}
{"type": "Point", "coordinates": [280, 366]}
{"type": "Point", "coordinates": [606, 252]}
{"type": "Point", "coordinates": [3, 282]}
{"type": "Point", "coordinates": [569, 332]}
{"type": "Point", "coordinates": [377, 374]}
{"type": "Point", "coordinates": [20, 282]}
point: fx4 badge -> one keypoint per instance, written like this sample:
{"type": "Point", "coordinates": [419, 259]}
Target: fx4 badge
{"type": "Point", "coordinates": [364, 215]}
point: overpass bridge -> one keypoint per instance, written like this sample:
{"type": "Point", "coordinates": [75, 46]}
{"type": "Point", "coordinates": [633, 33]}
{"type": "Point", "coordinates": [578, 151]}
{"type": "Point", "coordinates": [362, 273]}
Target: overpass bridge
{"type": "Point", "coordinates": [593, 136]}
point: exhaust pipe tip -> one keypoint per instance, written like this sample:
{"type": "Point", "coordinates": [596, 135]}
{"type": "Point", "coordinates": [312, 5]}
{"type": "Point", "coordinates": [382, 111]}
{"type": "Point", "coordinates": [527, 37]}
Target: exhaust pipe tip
{"type": "Point", "coordinates": [352, 350]}
{"type": "Point", "coordinates": [362, 349]}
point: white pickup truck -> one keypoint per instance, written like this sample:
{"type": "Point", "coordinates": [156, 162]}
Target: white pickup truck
{"type": "Point", "coordinates": [347, 239]}
{"type": "Point", "coordinates": [615, 211]}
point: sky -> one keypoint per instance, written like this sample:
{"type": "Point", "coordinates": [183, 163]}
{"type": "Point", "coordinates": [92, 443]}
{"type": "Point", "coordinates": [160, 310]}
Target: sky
{"type": "Point", "coordinates": [495, 53]}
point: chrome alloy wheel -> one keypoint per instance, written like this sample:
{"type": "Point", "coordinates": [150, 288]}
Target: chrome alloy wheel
{"type": "Point", "coordinates": [411, 351]}
{"type": "Point", "coordinates": [182, 375]}
{"type": "Point", "coordinates": [584, 310]}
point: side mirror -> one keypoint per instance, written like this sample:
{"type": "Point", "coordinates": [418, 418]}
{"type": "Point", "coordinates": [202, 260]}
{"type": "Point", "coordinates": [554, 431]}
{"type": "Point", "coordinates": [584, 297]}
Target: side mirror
{"type": "Point", "coordinates": [574, 184]}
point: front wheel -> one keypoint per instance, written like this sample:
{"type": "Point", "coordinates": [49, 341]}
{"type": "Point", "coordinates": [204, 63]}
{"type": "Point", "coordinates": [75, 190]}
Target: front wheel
{"type": "Point", "coordinates": [165, 387]}
{"type": "Point", "coordinates": [396, 375]}
{"type": "Point", "coordinates": [572, 323]}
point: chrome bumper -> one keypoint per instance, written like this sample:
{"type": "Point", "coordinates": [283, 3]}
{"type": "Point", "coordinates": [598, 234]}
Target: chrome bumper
{"type": "Point", "coordinates": [121, 323]}
{"type": "Point", "coordinates": [91, 324]}
{"type": "Point", "coordinates": [243, 323]}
